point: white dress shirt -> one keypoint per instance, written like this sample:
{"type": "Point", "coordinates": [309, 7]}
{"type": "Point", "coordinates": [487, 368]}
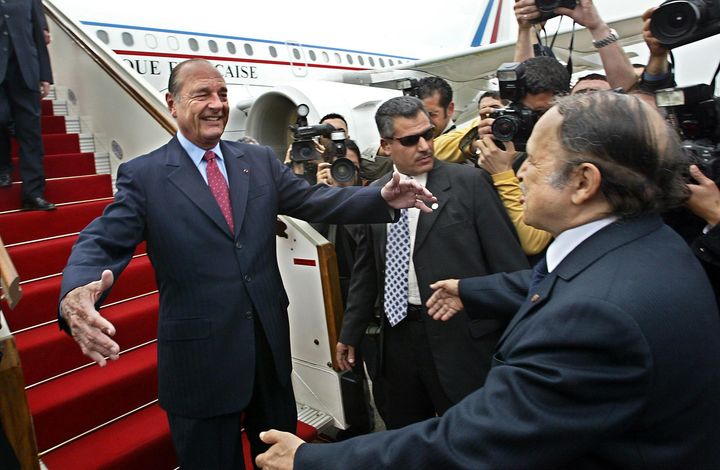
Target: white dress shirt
{"type": "Point", "coordinates": [568, 240]}
{"type": "Point", "coordinates": [197, 154]}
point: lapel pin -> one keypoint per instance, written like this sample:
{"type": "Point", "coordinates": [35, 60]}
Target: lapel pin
{"type": "Point", "coordinates": [535, 298]}
{"type": "Point", "coordinates": [434, 206]}
{"type": "Point", "coordinates": [246, 171]}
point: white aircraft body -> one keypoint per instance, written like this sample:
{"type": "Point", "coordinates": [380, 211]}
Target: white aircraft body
{"type": "Point", "coordinates": [276, 56]}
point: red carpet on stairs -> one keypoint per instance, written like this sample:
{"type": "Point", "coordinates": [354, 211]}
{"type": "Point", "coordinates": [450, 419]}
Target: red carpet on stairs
{"type": "Point", "coordinates": [85, 417]}
{"type": "Point", "coordinates": [68, 397]}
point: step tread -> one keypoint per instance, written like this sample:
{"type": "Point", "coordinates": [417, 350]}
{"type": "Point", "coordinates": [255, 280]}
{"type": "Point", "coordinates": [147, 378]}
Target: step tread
{"type": "Point", "coordinates": [145, 439]}
{"type": "Point", "coordinates": [89, 397]}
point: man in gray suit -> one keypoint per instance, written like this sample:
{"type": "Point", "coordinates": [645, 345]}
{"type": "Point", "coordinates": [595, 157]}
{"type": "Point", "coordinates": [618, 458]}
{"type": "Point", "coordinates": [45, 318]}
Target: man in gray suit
{"type": "Point", "coordinates": [468, 234]}
{"type": "Point", "coordinates": [25, 79]}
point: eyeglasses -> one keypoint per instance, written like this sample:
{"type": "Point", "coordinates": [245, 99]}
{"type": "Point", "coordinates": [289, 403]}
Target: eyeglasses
{"type": "Point", "coordinates": [410, 140]}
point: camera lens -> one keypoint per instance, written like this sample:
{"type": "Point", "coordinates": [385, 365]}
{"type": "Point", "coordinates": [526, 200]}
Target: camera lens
{"type": "Point", "coordinates": [504, 128]}
{"type": "Point", "coordinates": [673, 20]}
{"type": "Point", "coordinates": [343, 170]}
{"type": "Point", "coordinates": [547, 5]}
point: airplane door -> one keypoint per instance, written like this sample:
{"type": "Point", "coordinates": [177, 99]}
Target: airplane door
{"type": "Point", "coordinates": [298, 63]}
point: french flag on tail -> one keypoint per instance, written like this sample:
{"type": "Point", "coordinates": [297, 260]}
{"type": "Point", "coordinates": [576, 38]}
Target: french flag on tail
{"type": "Point", "coordinates": [491, 29]}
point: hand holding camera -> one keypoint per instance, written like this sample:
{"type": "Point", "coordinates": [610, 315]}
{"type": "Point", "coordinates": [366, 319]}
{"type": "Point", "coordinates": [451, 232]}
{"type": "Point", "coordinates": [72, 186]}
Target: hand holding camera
{"type": "Point", "coordinates": [704, 197]}
{"type": "Point", "coordinates": [491, 157]}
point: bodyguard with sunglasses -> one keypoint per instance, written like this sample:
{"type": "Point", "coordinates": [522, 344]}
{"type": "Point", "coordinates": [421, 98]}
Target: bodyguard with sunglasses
{"type": "Point", "coordinates": [426, 366]}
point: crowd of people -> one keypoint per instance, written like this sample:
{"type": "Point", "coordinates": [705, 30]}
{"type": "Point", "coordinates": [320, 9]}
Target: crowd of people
{"type": "Point", "coordinates": [516, 302]}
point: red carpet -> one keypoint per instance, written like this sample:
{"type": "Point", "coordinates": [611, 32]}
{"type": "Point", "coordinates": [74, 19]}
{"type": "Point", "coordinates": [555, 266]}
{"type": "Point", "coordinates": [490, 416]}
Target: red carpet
{"type": "Point", "coordinates": [66, 403]}
{"type": "Point", "coordinates": [98, 418]}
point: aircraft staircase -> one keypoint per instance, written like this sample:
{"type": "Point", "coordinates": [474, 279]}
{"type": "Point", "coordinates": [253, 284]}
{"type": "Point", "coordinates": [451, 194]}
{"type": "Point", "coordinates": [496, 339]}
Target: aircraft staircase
{"type": "Point", "coordinates": [85, 417]}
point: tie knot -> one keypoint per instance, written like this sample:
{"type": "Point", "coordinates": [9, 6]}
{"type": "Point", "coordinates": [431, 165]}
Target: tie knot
{"type": "Point", "coordinates": [209, 156]}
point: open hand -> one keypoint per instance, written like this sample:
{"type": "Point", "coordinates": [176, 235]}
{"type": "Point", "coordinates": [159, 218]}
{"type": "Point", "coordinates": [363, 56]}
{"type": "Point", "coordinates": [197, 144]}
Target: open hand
{"type": "Point", "coordinates": [402, 194]}
{"type": "Point", "coordinates": [445, 301]}
{"type": "Point", "coordinates": [281, 454]}
{"type": "Point", "coordinates": [91, 331]}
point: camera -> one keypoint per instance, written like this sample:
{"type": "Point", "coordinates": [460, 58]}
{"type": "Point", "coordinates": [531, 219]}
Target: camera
{"type": "Point", "coordinates": [303, 146]}
{"type": "Point", "coordinates": [342, 169]}
{"type": "Point", "coordinates": [514, 123]}
{"type": "Point", "coordinates": [409, 87]}
{"type": "Point", "coordinates": [696, 115]}
{"type": "Point", "coordinates": [693, 110]}
{"type": "Point", "coordinates": [679, 22]}
{"type": "Point", "coordinates": [546, 8]}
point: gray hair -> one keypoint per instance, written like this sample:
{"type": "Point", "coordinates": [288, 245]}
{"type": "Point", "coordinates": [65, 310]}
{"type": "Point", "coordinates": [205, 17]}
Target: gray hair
{"type": "Point", "coordinates": [401, 106]}
{"type": "Point", "coordinates": [175, 82]}
{"type": "Point", "coordinates": [637, 153]}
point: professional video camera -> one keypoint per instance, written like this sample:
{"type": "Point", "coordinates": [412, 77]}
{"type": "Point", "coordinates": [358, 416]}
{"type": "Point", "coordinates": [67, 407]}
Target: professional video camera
{"type": "Point", "coordinates": [696, 114]}
{"type": "Point", "coordinates": [678, 22]}
{"type": "Point", "coordinates": [304, 148]}
{"type": "Point", "coordinates": [409, 87]}
{"type": "Point", "coordinates": [546, 8]}
{"type": "Point", "coordinates": [514, 123]}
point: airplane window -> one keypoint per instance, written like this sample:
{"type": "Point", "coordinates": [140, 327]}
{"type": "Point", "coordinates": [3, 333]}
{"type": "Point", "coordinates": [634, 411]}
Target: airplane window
{"type": "Point", "coordinates": [325, 57]}
{"type": "Point", "coordinates": [212, 45]}
{"type": "Point", "coordinates": [151, 41]}
{"type": "Point", "coordinates": [231, 48]}
{"type": "Point", "coordinates": [248, 49]}
{"type": "Point", "coordinates": [192, 42]}
{"type": "Point", "coordinates": [127, 39]}
{"type": "Point", "coordinates": [349, 58]}
{"type": "Point", "coordinates": [382, 62]}
{"type": "Point", "coordinates": [372, 61]}
{"type": "Point", "coordinates": [360, 60]}
{"type": "Point", "coordinates": [313, 57]}
{"type": "Point", "coordinates": [391, 62]}
{"type": "Point", "coordinates": [296, 53]}
{"type": "Point", "coordinates": [173, 43]}
{"type": "Point", "coordinates": [103, 36]}
{"type": "Point", "coordinates": [338, 59]}
{"type": "Point", "coordinates": [273, 51]}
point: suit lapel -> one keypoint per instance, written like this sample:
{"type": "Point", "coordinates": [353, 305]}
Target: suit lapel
{"type": "Point", "coordinates": [238, 170]}
{"type": "Point", "coordinates": [584, 255]}
{"type": "Point", "coordinates": [186, 177]}
{"type": "Point", "coordinates": [439, 184]}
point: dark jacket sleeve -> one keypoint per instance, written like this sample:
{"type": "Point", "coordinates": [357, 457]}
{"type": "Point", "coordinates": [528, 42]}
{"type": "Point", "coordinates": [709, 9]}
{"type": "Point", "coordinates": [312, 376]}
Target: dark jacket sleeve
{"type": "Point", "coordinates": [707, 248]}
{"type": "Point", "coordinates": [498, 294]}
{"type": "Point", "coordinates": [540, 403]}
{"type": "Point", "coordinates": [363, 291]}
{"type": "Point", "coordinates": [39, 24]}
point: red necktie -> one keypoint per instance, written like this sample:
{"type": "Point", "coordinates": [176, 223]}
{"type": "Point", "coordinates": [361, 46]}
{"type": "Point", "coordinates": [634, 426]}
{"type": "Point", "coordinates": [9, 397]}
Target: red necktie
{"type": "Point", "coordinates": [219, 187]}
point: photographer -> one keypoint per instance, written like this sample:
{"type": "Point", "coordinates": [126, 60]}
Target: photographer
{"type": "Point", "coordinates": [540, 80]}
{"type": "Point", "coordinates": [324, 170]}
{"type": "Point", "coordinates": [697, 121]}
{"type": "Point", "coordinates": [303, 166]}
{"type": "Point", "coordinates": [617, 66]}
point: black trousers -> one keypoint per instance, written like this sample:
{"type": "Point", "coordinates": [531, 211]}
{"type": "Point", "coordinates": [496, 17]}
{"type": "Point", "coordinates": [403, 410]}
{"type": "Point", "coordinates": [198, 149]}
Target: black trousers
{"type": "Point", "coordinates": [21, 105]}
{"type": "Point", "coordinates": [214, 443]}
{"type": "Point", "coordinates": [408, 389]}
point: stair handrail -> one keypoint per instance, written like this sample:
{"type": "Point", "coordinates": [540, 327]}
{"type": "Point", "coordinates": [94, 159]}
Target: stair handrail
{"type": "Point", "coordinates": [138, 89]}
{"type": "Point", "coordinates": [9, 279]}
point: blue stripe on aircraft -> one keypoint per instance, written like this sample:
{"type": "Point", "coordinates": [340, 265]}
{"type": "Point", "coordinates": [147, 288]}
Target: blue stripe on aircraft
{"type": "Point", "coordinates": [237, 38]}
{"type": "Point", "coordinates": [477, 40]}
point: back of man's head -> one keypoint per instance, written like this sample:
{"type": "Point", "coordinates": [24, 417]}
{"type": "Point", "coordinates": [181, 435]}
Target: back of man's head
{"type": "Point", "coordinates": [428, 86]}
{"type": "Point", "coordinates": [400, 106]}
{"type": "Point", "coordinates": [638, 155]}
{"type": "Point", "coordinates": [545, 74]}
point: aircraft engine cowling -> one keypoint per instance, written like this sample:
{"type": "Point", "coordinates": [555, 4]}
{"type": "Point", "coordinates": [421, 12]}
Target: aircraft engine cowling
{"type": "Point", "coordinates": [275, 110]}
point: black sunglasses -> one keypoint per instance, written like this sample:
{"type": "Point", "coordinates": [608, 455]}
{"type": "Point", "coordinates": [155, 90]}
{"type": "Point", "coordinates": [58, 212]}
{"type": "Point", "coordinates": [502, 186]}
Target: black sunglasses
{"type": "Point", "coordinates": [410, 140]}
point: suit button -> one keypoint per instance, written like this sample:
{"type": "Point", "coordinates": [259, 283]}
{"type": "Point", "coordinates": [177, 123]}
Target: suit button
{"type": "Point", "coordinates": [247, 278]}
{"type": "Point", "coordinates": [7, 16]}
{"type": "Point", "coordinates": [249, 315]}
{"type": "Point", "coordinates": [239, 245]}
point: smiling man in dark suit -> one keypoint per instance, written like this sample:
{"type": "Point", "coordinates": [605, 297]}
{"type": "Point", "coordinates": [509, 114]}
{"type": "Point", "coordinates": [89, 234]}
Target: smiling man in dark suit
{"type": "Point", "coordinates": [207, 209]}
{"type": "Point", "coordinates": [612, 360]}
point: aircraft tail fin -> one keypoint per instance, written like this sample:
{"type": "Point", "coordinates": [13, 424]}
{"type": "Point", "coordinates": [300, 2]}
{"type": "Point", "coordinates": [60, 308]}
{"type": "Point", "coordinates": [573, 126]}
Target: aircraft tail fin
{"type": "Point", "coordinates": [496, 23]}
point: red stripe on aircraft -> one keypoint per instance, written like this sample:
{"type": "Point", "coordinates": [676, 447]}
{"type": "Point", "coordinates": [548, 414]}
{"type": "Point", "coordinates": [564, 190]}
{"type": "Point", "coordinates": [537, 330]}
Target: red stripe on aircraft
{"type": "Point", "coordinates": [230, 59]}
{"type": "Point", "coordinates": [496, 26]}
{"type": "Point", "coordinates": [304, 262]}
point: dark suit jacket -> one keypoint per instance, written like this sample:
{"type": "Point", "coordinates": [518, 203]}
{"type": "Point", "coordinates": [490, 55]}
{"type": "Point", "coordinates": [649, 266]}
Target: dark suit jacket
{"type": "Point", "coordinates": [469, 234]}
{"type": "Point", "coordinates": [25, 35]}
{"type": "Point", "coordinates": [211, 282]}
{"type": "Point", "coordinates": [617, 365]}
